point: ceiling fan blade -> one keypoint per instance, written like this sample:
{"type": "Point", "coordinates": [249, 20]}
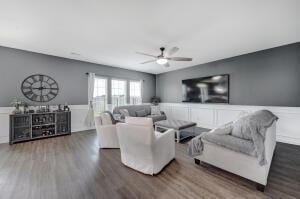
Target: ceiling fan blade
{"type": "Point", "coordinates": [180, 59]}
{"type": "Point", "coordinates": [166, 65]}
{"type": "Point", "coordinates": [172, 51]}
{"type": "Point", "coordinates": [146, 54]}
{"type": "Point", "coordinates": [148, 61]}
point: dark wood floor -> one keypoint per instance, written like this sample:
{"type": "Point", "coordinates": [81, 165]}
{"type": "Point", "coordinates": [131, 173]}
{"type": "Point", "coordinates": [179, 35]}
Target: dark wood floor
{"type": "Point", "coordinates": [74, 167]}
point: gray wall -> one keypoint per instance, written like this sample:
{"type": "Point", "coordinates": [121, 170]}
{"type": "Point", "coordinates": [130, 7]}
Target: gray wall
{"type": "Point", "coordinates": [16, 65]}
{"type": "Point", "coordinates": [270, 77]}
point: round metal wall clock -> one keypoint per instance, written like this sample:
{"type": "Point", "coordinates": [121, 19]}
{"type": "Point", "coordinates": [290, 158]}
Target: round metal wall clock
{"type": "Point", "coordinates": [40, 88]}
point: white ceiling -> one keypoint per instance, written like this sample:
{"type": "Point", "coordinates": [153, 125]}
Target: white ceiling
{"type": "Point", "coordinates": [110, 32]}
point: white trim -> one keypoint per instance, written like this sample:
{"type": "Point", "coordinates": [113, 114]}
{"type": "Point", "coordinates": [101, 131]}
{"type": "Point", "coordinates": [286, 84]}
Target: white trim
{"type": "Point", "coordinates": [213, 115]}
{"type": "Point", "coordinates": [106, 84]}
{"type": "Point", "coordinates": [4, 139]}
{"type": "Point", "coordinates": [286, 139]}
{"type": "Point", "coordinates": [4, 123]}
{"type": "Point", "coordinates": [125, 86]}
{"type": "Point", "coordinates": [140, 91]}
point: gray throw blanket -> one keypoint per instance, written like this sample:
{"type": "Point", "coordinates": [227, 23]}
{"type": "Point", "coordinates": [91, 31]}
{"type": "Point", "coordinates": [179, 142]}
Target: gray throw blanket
{"type": "Point", "coordinates": [195, 146]}
{"type": "Point", "coordinates": [251, 127]}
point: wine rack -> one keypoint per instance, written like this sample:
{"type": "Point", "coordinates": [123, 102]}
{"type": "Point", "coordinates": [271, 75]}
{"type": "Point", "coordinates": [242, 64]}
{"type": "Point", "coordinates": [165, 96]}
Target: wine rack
{"type": "Point", "coordinates": [25, 127]}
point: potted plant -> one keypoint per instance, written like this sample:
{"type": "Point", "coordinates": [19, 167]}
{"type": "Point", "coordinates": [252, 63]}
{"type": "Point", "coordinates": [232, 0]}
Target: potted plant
{"type": "Point", "coordinates": [155, 100]}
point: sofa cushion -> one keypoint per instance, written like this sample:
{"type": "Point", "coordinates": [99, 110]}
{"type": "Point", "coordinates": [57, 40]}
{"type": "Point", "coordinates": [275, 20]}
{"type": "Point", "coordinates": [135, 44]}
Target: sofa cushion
{"type": "Point", "coordinates": [223, 130]}
{"type": "Point", "coordinates": [157, 118]}
{"type": "Point", "coordinates": [155, 110]}
{"type": "Point", "coordinates": [132, 109]}
{"type": "Point", "coordinates": [231, 142]}
{"type": "Point", "coordinates": [141, 113]}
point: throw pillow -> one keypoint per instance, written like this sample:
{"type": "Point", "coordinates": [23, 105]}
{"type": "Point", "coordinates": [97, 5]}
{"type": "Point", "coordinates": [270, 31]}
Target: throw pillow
{"type": "Point", "coordinates": [141, 113]}
{"type": "Point", "coordinates": [124, 113]}
{"type": "Point", "coordinates": [155, 110]}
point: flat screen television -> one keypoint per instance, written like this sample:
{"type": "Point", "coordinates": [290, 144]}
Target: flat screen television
{"type": "Point", "coordinates": [213, 89]}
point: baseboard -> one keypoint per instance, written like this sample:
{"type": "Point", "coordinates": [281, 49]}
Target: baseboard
{"type": "Point", "coordinates": [82, 129]}
{"type": "Point", "coordinates": [4, 139]}
{"type": "Point", "coordinates": [288, 140]}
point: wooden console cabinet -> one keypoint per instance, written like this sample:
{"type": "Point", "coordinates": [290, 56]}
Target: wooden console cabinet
{"type": "Point", "coordinates": [26, 127]}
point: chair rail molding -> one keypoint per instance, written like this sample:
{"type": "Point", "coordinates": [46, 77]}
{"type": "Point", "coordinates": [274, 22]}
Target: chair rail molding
{"type": "Point", "coordinates": [214, 115]}
{"type": "Point", "coordinates": [78, 113]}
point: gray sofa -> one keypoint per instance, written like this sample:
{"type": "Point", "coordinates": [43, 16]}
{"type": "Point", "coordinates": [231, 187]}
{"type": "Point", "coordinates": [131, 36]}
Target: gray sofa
{"type": "Point", "coordinates": [133, 108]}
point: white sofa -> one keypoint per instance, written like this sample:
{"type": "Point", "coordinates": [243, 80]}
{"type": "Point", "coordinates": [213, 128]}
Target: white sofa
{"type": "Point", "coordinates": [239, 163]}
{"type": "Point", "coordinates": [106, 131]}
{"type": "Point", "coordinates": [142, 148]}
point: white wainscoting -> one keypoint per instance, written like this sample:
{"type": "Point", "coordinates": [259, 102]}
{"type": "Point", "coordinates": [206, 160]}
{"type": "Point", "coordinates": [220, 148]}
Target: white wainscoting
{"type": "Point", "coordinates": [213, 115]}
{"type": "Point", "coordinates": [4, 123]}
{"type": "Point", "coordinates": [78, 113]}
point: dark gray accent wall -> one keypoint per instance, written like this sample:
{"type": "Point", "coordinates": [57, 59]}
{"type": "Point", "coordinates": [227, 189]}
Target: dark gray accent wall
{"type": "Point", "coordinates": [269, 77]}
{"type": "Point", "coordinates": [16, 65]}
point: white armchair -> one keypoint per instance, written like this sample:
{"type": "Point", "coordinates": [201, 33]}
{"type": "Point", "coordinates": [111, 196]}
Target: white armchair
{"type": "Point", "coordinates": [106, 131]}
{"type": "Point", "coordinates": [142, 148]}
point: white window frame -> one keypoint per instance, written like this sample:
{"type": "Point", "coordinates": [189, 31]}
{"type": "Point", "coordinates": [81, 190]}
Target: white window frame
{"type": "Point", "coordinates": [113, 98]}
{"type": "Point", "coordinates": [135, 99]}
{"type": "Point", "coordinates": [99, 104]}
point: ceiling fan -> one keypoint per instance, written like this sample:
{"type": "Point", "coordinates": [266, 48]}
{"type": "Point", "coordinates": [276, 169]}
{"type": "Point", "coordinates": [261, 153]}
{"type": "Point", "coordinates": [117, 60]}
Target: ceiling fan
{"type": "Point", "coordinates": [163, 59]}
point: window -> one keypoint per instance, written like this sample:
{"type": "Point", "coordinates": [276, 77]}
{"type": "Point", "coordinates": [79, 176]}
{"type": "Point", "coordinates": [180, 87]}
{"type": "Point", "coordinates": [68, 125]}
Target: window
{"type": "Point", "coordinates": [100, 94]}
{"type": "Point", "coordinates": [135, 92]}
{"type": "Point", "coordinates": [118, 92]}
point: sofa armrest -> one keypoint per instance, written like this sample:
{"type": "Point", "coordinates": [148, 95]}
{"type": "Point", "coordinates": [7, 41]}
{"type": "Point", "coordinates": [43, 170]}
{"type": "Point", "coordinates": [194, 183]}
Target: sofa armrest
{"type": "Point", "coordinates": [164, 141]}
{"type": "Point", "coordinates": [98, 121]}
{"type": "Point", "coordinates": [270, 142]}
{"type": "Point", "coordinates": [166, 135]}
{"type": "Point", "coordinates": [163, 147]}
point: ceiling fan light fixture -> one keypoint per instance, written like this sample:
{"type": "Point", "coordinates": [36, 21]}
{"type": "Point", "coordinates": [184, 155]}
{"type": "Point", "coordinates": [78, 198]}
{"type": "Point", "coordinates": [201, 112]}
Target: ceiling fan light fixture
{"type": "Point", "coordinates": [162, 61]}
